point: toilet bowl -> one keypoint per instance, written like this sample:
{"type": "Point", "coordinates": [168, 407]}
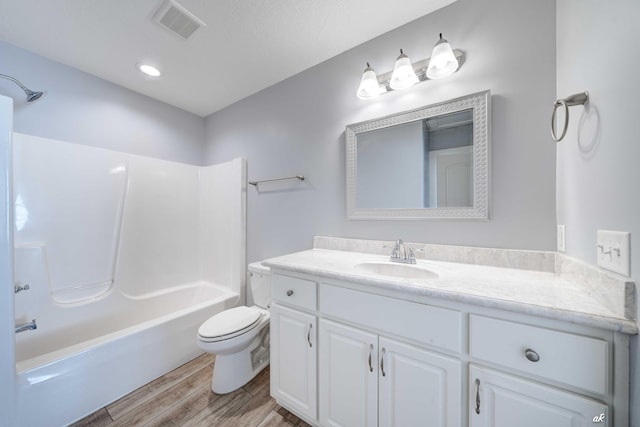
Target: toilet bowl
{"type": "Point", "coordinates": [239, 337]}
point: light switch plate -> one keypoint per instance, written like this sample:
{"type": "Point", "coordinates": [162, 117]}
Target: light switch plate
{"type": "Point", "coordinates": [614, 251]}
{"type": "Point", "coordinates": [561, 239]}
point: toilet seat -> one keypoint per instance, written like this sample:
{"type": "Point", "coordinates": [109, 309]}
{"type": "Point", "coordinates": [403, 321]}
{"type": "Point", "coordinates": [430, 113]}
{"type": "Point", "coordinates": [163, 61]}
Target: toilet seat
{"type": "Point", "coordinates": [229, 324]}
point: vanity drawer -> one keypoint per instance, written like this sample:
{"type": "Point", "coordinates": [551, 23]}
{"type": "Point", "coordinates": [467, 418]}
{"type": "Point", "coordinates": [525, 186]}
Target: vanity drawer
{"type": "Point", "coordinates": [438, 327]}
{"type": "Point", "coordinates": [294, 292]}
{"type": "Point", "coordinates": [575, 360]}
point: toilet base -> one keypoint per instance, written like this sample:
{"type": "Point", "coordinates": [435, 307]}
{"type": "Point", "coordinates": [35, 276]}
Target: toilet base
{"type": "Point", "coordinates": [230, 372]}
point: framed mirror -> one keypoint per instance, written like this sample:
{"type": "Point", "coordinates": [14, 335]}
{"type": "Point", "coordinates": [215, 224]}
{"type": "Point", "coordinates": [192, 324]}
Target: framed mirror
{"type": "Point", "coordinates": [428, 163]}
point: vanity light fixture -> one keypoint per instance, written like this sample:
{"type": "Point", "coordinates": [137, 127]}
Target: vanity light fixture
{"type": "Point", "coordinates": [369, 87]}
{"type": "Point", "coordinates": [444, 61]}
{"type": "Point", "coordinates": [404, 75]}
{"type": "Point", "coordinates": [148, 70]}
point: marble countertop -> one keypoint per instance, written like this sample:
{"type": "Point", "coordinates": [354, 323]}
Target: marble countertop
{"type": "Point", "coordinates": [567, 297]}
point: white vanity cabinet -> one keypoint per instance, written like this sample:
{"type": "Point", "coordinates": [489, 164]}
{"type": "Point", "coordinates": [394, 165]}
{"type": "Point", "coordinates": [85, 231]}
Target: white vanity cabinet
{"type": "Point", "coordinates": [348, 376]}
{"type": "Point", "coordinates": [579, 364]}
{"type": "Point", "coordinates": [501, 400]}
{"type": "Point", "coordinates": [383, 359]}
{"type": "Point", "coordinates": [293, 329]}
{"type": "Point", "coordinates": [417, 387]}
{"type": "Point", "coordinates": [368, 380]}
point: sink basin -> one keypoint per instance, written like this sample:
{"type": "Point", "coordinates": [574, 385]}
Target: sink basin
{"type": "Point", "coordinates": [401, 271]}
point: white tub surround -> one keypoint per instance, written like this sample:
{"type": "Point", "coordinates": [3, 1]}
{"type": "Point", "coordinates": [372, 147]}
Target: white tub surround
{"type": "Point", "coordinates": [88, 219]}
{"type": "Point", "coordinates": [448, 340]}
{"type": "Point", "coordinates": [125, 257]}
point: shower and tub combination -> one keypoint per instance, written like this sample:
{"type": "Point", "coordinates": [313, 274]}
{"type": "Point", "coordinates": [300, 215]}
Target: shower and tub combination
{"type": "Point", "coordinates": [118, 259]}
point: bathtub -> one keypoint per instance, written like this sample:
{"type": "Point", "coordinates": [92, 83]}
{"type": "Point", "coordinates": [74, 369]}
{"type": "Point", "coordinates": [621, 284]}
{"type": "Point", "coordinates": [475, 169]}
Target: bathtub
{"type": "Point", "coordinates": [76, 363]}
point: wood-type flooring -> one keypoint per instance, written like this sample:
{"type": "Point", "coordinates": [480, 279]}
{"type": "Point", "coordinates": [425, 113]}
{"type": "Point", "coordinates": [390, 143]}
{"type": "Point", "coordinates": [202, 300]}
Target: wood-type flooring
{"type": "Point", "coordinates": [183, 397]}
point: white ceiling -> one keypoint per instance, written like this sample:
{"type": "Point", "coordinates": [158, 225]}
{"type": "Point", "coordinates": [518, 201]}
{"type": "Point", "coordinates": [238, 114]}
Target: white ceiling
{"type": "Point", "coordinates": [246, 46]}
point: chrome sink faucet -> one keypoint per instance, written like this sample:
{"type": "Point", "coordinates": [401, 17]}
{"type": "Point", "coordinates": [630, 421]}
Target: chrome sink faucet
{"type": "Point", "coordinates": [399, 253]}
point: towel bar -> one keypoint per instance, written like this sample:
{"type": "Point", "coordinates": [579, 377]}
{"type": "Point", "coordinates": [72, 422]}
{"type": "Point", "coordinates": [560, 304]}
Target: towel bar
{"type": "Point", "coordinates": [255, 183]}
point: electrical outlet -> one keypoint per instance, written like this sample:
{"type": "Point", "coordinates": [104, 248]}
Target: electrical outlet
{"type": "Point", "coordinates": [614, 251]}
{"type": "Point", "coordinates": [560, 239]}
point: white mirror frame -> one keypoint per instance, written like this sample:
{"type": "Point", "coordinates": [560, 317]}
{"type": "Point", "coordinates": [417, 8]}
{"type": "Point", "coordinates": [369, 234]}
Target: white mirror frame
{"type": "Point", "coordinates": [481, 104]}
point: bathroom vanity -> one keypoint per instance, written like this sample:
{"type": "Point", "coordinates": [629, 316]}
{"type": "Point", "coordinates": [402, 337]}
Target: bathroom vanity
{"type": "Point", "coordinates": [357, 340]}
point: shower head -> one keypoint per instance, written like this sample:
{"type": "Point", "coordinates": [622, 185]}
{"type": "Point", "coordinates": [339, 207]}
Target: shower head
{"type": "Point", "coordinates": [31, 95]}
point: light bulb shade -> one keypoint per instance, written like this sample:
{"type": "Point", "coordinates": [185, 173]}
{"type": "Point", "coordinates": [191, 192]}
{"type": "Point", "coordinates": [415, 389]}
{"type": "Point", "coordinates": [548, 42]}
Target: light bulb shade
{"type": "Point", "coordinates": [443, 61]}
{"type": "Point", "coordinates": [404, 75]}
{"type": "Point", "coordinates": [369, 87]}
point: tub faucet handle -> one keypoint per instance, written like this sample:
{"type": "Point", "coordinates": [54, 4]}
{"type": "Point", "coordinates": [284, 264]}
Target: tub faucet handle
{"type": "Point", "coordinates": [18, 287]}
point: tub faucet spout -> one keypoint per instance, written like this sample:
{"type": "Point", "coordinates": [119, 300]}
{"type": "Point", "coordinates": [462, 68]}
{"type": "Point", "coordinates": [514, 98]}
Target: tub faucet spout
{"type": "Point", "coordinates": [29, 326]}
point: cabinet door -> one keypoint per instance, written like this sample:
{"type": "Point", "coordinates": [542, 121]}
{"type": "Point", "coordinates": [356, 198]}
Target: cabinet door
{"type": "Point", "coordinates": [417, 387]}
{"type": "Point", "coordinates": [501, 400]}
{"type": "Point", "coordinates": [294, 360]}
{"type": "Point", "coordinates": [348, 376]}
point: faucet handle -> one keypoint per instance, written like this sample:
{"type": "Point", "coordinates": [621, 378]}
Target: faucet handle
{"type": "Point", "coordinates": [412, 256]}
{"type": "Point", "coordinates": [394, 252]}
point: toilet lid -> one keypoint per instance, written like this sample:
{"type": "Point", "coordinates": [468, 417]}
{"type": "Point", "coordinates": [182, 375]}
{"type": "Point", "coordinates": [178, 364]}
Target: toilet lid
{"type": "Point", "coordinates": [230, 322]}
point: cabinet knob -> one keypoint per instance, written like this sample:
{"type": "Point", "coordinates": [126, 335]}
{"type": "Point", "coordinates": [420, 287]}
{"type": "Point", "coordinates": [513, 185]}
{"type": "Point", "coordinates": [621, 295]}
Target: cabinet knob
{"type": "Point", "coordinates": [290, 292]}
{"type": "Point", "coordinates": [531, 355]}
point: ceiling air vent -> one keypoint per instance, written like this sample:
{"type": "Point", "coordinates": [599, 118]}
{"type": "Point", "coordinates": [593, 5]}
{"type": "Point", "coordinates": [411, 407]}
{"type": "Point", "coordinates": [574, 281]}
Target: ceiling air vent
{"type": "Point", "coordinates": [175, 18]}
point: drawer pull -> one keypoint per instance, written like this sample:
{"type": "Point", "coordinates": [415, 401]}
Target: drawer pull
{"type": "Point", "coordinates": [290, 292]}
{"type": "Point", "coordinates": [531, 355]}
{"type": "Point", "coordinates": [370, 354]}
{"type": "Point", "coordinates": [309, 335]}
{"type": "Point", "coordinates": [382, 363]}
{"type": "Point", "coordinates": [477, 396]}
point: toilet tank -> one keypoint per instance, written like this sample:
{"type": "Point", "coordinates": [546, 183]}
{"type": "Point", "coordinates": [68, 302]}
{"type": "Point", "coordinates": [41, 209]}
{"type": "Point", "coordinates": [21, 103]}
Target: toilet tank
{"type": "Point", "coordinates": [259, 285]}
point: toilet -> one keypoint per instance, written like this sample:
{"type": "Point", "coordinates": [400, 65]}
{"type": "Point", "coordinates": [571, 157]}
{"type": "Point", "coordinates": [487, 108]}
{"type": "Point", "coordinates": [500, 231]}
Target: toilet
{"type": "Point", "coordinates": [239, 337]}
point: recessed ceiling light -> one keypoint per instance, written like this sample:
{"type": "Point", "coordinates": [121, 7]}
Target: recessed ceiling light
{"type": "Point", "coordinates": [148, 70]}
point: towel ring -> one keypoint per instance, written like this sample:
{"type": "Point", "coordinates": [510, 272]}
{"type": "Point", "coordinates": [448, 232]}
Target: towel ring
{"type": "Point", "coordinates": [576, 99]}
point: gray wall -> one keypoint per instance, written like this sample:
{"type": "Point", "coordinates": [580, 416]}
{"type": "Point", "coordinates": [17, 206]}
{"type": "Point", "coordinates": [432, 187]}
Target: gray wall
{"type": "Point", "coordinates": [297, 127]}
{"type": "Point", "coordinates": [391, 167]}
{"type": "Point", "coordinates": [597, 171]}
{"type": "Point", "coordinates": [85, 109]}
